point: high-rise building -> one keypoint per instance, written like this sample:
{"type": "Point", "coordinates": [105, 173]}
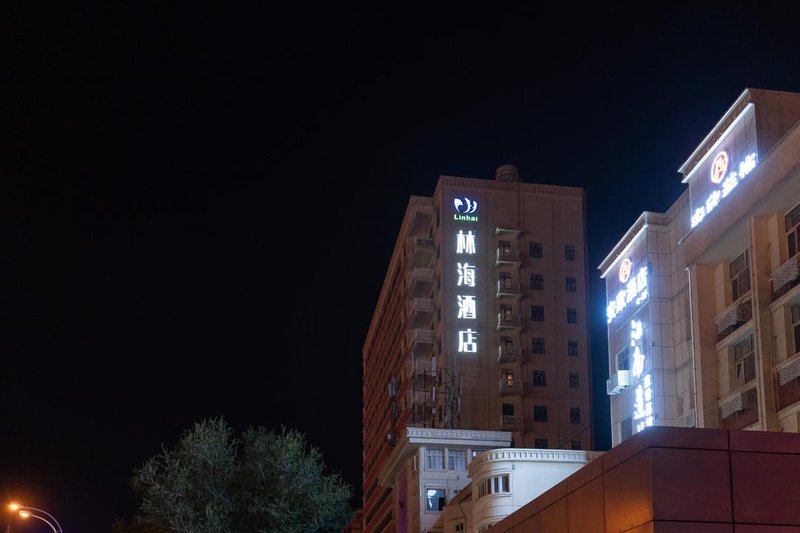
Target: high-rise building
{"type": "Point", "coordinates": [703, 306]}
{"type": "Point", "coordinates": [479, 339]}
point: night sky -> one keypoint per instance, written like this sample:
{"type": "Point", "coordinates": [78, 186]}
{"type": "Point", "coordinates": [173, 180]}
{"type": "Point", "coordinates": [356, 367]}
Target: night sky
{"type": "Point", "coordinates": [199, 202]}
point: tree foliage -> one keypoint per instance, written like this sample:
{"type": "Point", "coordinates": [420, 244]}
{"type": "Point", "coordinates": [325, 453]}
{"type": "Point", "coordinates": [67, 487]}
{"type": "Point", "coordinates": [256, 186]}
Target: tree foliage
{"type": "Point", "coordinates": [212, 482]}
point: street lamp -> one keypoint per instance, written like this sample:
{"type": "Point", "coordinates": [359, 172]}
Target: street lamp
{"type": "Point", "coordinates": [25, 511]}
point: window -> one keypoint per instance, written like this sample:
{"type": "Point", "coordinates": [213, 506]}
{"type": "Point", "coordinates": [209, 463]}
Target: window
{"type": "Point", "coordinates": [540, 413]}
{"type": "Point", "coordinates": [792, 221]}
{"type": "Point", "coordinates": [575, 444]}
{"type": "Point", "coordinates": [572, 348]}
{"type": "Point", "coordinates": [574, 415]}
{"type": "Point", "coordinates": [574, 380]}
{"type": "Point", "coordinates": [434, 500]}
{"type": "Point", "coordinates": [539, 378]}
{"type": "Point", "coordinates": [623, 361]}
{"type": "Point", "coordinates": [505, 277]}
{"type": "Point", "coordinates": [459, 527]}
{"type": "Point", "coordinates": [740, 276]}
{"type": "Point", "coordinates": [535, 249]}
{"type": "Point", "coordinates": [537, 313]}
{"type": "Point", "coordinates": [504, 245]}
{"type": "Point", "coordinates": [506, 311]}
{"type": "Point", "coordinates": [494, 485]}
{"type": "Point", "coordinates": [745, 361]}
{"type": "Point", "coordinates": [508, 377]}
{"type": "Point", "coordinates": [572, 316]}
{"type": "Point", "coordinates": [796, 326]}
{"type": "Point", "coordinates": [508, 409]}
{"type": "Point", "coordinates": [540, 443]}
{"type": "Point", "coordinates": [569, 252]}
{"type": "Point", "coordinates": [456, 459]}
{"type": "Point", "coordinates": [571, 284]}
{"type": "Point", "coordinates": [434, 458]}
{"type": "Point", "coordinates": [537, 346]}
{"type": "Point", "coordinates": [537, 282]}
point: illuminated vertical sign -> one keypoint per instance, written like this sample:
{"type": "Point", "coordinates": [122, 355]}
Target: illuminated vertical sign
{"type": "Point", "coordinates": [466, 245]}
{"type": "Point", "coordinates": [634, 290]}
{"type": "Point", "coordinates": [643, 393]}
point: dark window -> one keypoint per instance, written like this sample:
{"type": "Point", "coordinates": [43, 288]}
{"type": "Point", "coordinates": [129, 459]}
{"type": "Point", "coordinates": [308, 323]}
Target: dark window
{"type": "Point", "coordinates": [535, 249]}
{"type": "Point", "coordinates": [569, 252]}
{"type": "Point", "coordinates": [540, 443]}
{"type": "Point", "coordinates": [537, 282]}
{"type": "Point", "coordinates": [575, 444]}
{"type": "Point", "coordinates": [574, 380]}
{"type": "Point", "coordinates": [540, 413]}
{"type": "Point", "coordinates": [571, 284]}
{"type": "Point", "coordinates": [740, 276]}
{"type": "Point", "coordinates": [572, 347]}
{"type": "Point", "coordinates": [744, 358]}
{"type": "Point", "coordinates": [792, 221]}
{"type": "Point", "coordinates": [623, 361]}
{"type": "Point", "coordinates": [537, 313]}
{"type": "Point", "coordinates": [539, 378]}
{"type": "Point", "coordinates": [508, 409]}
{"type": "Point", "coordinates": [572, 316]}
{"type": "Point", "coordinates": [796, 326]}
{"type": "Point", "coordinates": [574, 415]}
{"type": "Point", "coordinates": [625, 428]}
{"type": "Point", "coordinates": [538, 345]}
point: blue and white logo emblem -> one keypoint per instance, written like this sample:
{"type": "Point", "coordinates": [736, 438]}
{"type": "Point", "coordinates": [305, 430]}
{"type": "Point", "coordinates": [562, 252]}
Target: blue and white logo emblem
{"type": "Point", "coordinates": [465, 205]}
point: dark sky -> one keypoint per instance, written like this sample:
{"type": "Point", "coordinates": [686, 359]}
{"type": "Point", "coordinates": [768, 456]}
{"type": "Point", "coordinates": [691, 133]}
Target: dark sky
{"type": "Point", "coordinates": [199, 202]}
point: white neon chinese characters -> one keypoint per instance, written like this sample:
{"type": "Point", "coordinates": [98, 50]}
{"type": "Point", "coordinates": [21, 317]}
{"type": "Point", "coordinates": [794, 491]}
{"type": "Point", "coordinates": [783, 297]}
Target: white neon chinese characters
{"type": "Point", "coordinates": [466, 274]}
{"type": "Point", "coordinates": [465, 243]}
{"type": "Point", "coordinates": [730, 181]}
{"type": "Point", "coordinates": [466, 307]}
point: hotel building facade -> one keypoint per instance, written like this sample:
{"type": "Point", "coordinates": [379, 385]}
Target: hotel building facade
{"type": "Point", "coordinates": [479, 340]}
{"type": "Point", "coordinates": [703, 307]}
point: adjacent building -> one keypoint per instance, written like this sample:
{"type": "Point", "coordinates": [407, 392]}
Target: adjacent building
{"type": "Point", "coordinates": [703, 307]}
{"type": "Point", "coordinates": [479, 340]}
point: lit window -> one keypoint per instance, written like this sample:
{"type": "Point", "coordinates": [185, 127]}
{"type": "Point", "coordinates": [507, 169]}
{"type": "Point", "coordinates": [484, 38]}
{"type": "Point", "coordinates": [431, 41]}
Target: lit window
{"type": "Point", "coordinates": [434, 499]}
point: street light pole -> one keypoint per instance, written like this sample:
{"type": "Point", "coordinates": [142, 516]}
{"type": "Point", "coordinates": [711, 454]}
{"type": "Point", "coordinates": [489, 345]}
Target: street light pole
{"type": "Point", "coordinates": [25, 511]}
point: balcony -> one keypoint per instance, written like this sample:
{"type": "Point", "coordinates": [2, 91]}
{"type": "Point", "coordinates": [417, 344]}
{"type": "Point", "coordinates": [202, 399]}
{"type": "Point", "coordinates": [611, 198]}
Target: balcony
{"type": "Point", "coordinates": [420, 341]}
{"type": "Point", "coordinates": [739, 409]}
{"type": "Point", "coordinates": [734, 317]}
{"type": "Point", "coordinates": [421, 252]}
{"type": "Point", "coordinates": [512, 423]}
{"type": "Point", "coordinates": [508, 289]}
{"type": "Point", "coordinates": [618, 382]}
{"type": "Point", "coordinates": [788, 373]}
{"type": "Point", "coordinates": [508, 354]}
{"type": "Point", "coordinates": [420, 311]}
{"type": "Point", "coordinates": [506, 232]}
{"type": "Point", "coordinates": [419, 282]}
{"type": "Point", "coordinates": [509, 321]}
{"type": "Point", "coordinates": [511, 388]}
{"type": "Point", "coordinates": [508, 257]}
{"type": "Point", "coordinates": [785, 277]}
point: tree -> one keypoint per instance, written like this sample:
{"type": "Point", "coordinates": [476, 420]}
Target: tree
{"type": "Point", "coordinates": [264, 482]}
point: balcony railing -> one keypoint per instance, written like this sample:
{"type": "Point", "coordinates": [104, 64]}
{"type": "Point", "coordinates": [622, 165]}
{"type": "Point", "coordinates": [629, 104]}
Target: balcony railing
{"type": "Point", "coordinates": [508, 354]}
{"type": "Point", "coordinates": [512, 423]}
{"type": "Point", "coordinates": [419, 281]}
{"type": "Point", "coordinates": [507, 288]}
{"type": "Point", "coordinates": [511, 388]}
{"type": "Point", "coordinates": [507, 256]}
{"type": "Point", "coordinates": [788, 373]}
{"type": "Point", "coordinates": [420, 341]}
{"type": "Point", "coordinates": [733, 317]}
{"type": "Point", "coordinates": [508, 321]}
{"type": "Point", "coordinates": [618, 382]}
{"type": "Point", "coordinates": [420, 310]}
{"type": "Point", "coordinates": [785, 277]}
{"type": "Point", "coordinates": [421, 251]}
{"type": "Point", "coordinates": [739, 409]}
